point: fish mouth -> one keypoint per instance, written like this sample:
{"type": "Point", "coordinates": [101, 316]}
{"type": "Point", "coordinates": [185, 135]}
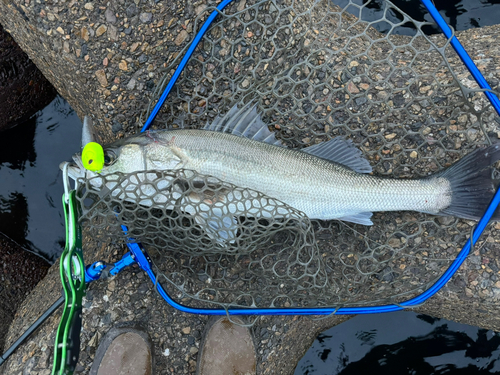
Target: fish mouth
{"type": "Point", "coordinates": [76, 169]}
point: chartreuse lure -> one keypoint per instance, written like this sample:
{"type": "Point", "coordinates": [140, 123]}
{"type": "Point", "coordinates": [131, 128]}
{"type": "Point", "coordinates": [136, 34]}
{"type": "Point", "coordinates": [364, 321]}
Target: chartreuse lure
{"type": "Point", "coordinates": [93, 157]}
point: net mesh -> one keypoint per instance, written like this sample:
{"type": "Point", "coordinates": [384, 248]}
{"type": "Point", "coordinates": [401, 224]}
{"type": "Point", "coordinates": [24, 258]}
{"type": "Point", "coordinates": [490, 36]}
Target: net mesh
{"type": "Point", "coordinates": [316, 72]}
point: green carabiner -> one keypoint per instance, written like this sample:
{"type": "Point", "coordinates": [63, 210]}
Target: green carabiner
{"type": "Point", "coordinates": [72, 271]}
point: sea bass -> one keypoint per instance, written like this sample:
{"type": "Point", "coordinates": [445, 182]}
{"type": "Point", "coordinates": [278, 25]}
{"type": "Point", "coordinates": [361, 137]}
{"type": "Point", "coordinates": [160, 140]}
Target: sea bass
{"type": "Point", "coordinates": [329, 180]}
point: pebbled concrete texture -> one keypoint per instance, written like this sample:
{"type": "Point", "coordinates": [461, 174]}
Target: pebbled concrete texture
{"type": "Point", "coordinates": [20, 272]}
{"type": "Point", "coordinates": [105, 59]}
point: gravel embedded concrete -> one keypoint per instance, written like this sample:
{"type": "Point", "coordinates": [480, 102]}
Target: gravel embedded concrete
{"type": "Point", "coordinates": [105, 59]}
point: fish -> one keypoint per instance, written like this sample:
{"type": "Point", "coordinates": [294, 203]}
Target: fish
{"type": "Point", "coordinates": [326, 181]}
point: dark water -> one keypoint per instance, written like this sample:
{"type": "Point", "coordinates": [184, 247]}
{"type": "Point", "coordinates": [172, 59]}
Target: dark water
{"type": "Point", "coordinates": [460, 15]}
{"type": "Point", "coordinates": [30, 180]}
{"type": "Point", "coordinates": [402, 343]}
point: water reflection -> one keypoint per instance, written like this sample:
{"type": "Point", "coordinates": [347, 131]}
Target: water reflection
{"type": "Point", "coordinates": [14, 216]}
{"type": "Point", "coordinates": [402, 343]}
{"type": "Point", "coordinates": [459, 14]}
{"type": "Point", "coordinates": [17, 146]}
{"type": "Point", "coordinates": [31, 185]}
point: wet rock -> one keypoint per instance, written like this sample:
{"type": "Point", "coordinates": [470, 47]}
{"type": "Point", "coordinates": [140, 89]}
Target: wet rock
{"type": "Point", "coordinates": [446, 220]}
{"type": "Point", "coordinates": [110, 16]}
{"type": "Point", "coordinates": [351, 87]}
{"type": "Point", "coordinates": [23, 88]}
{"type": "Point", "coordinates": [113, 33]}
{"type": "Point", "coordinates": [143, 58]}
{"type": "Point", "coordinates": [131, 84]}
{"type": "Point", "coordinates": [101, 77]}
{"type": "Point", "coordinates": [84, 50]}
{"type": "Point", "coordinates": [85, 34]}
{"type": "Point", "coordinates": [146, 17]}
{"type": "Point", "coordinates": [123, 65]}
{"type": "Point", "coordinates": [361, 101]}
{"type": "Point", "coordinates": [100, 30]}
{"type": "Point", "coordinates": [181, 37]}
{"type": "Point", "coordinates": [21, 271]}
{"type": "Point", "coordinates": [116, 127]}
{"type": "Point", "coordinates": [131, 11]}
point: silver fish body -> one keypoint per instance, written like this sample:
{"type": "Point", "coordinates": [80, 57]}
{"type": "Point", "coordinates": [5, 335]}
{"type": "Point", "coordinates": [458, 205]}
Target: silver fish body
{"type": "Point", "coordinates": [320, 188]}
{"type": "Point", "coordinates": [325, 181]}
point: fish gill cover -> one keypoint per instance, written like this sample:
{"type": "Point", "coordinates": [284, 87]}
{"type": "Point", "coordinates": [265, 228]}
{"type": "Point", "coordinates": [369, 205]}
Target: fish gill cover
{"type": "Point", "coordinates": [316, 72]}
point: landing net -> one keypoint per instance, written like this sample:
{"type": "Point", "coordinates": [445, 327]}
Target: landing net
{"type": "Point", "coordinates": [316, 72]}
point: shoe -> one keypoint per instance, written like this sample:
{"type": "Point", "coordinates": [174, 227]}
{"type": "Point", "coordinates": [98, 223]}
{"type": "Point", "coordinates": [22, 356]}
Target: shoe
{"type": "Point", "coordinates": [226, 349]}
{"type": "Point", "coordinates": [124, 351]}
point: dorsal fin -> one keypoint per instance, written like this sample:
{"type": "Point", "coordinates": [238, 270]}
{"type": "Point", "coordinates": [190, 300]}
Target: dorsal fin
{"type": "Point", "coordinates": [341, 151]}
{"type": "Point", "coordinates": [88, 131]}
{"type": "Point", "coordinates": [244, 122]}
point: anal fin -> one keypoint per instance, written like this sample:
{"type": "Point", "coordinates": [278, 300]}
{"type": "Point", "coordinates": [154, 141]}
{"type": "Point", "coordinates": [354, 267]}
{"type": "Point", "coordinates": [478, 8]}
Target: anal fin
{"type": "Point", "coordinates": [362, 218]}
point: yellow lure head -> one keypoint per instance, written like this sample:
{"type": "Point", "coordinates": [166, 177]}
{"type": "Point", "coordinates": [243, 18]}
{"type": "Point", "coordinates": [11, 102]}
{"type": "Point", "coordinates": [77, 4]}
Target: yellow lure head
{"type": "Point", "coordinates": [93, 157]}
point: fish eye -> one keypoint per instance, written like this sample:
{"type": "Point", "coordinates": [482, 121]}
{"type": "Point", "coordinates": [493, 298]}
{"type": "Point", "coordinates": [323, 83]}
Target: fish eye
{"type": "Point", "coordinates": [109, 158]}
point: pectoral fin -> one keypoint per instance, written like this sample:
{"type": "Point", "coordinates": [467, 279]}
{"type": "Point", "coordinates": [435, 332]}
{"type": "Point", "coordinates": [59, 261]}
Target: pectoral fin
{"type": "Point", "coordinates": [222, 228]}
{"type": "Point", "coordinates": [209, 211]}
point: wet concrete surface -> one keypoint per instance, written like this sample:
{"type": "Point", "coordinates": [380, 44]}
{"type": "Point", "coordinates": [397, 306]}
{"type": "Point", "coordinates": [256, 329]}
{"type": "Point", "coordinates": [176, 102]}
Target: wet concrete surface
{"type": "Point", "coordinates": [20, 272]}
{"type": "Point", "coordinates": [23, 88]}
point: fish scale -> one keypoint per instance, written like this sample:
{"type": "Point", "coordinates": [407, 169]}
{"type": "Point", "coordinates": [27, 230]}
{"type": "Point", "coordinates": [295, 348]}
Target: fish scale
{"type": "Point", "coordinates": [326, 181]}
{"type": "Point", "coordinates": [320, 188]}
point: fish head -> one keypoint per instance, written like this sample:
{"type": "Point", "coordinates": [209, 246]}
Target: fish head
{"type": "Point", "coordinates": [121, 156]}
{"type": "Point", "coordinates": [117, 157]}
{"type": "Point", "coordinates": [141, 152]}
{"type": "Point", "coordinates": [137, 153]}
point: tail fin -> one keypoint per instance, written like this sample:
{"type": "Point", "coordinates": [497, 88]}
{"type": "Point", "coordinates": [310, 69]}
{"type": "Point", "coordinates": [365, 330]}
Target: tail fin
{"type": "Point", "coordinates": [471, 184]}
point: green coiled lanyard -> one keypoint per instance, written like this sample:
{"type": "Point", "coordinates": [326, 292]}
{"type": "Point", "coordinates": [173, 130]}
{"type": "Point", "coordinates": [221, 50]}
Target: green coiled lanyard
{"type": "Point", "coordinates": [72, 271]}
